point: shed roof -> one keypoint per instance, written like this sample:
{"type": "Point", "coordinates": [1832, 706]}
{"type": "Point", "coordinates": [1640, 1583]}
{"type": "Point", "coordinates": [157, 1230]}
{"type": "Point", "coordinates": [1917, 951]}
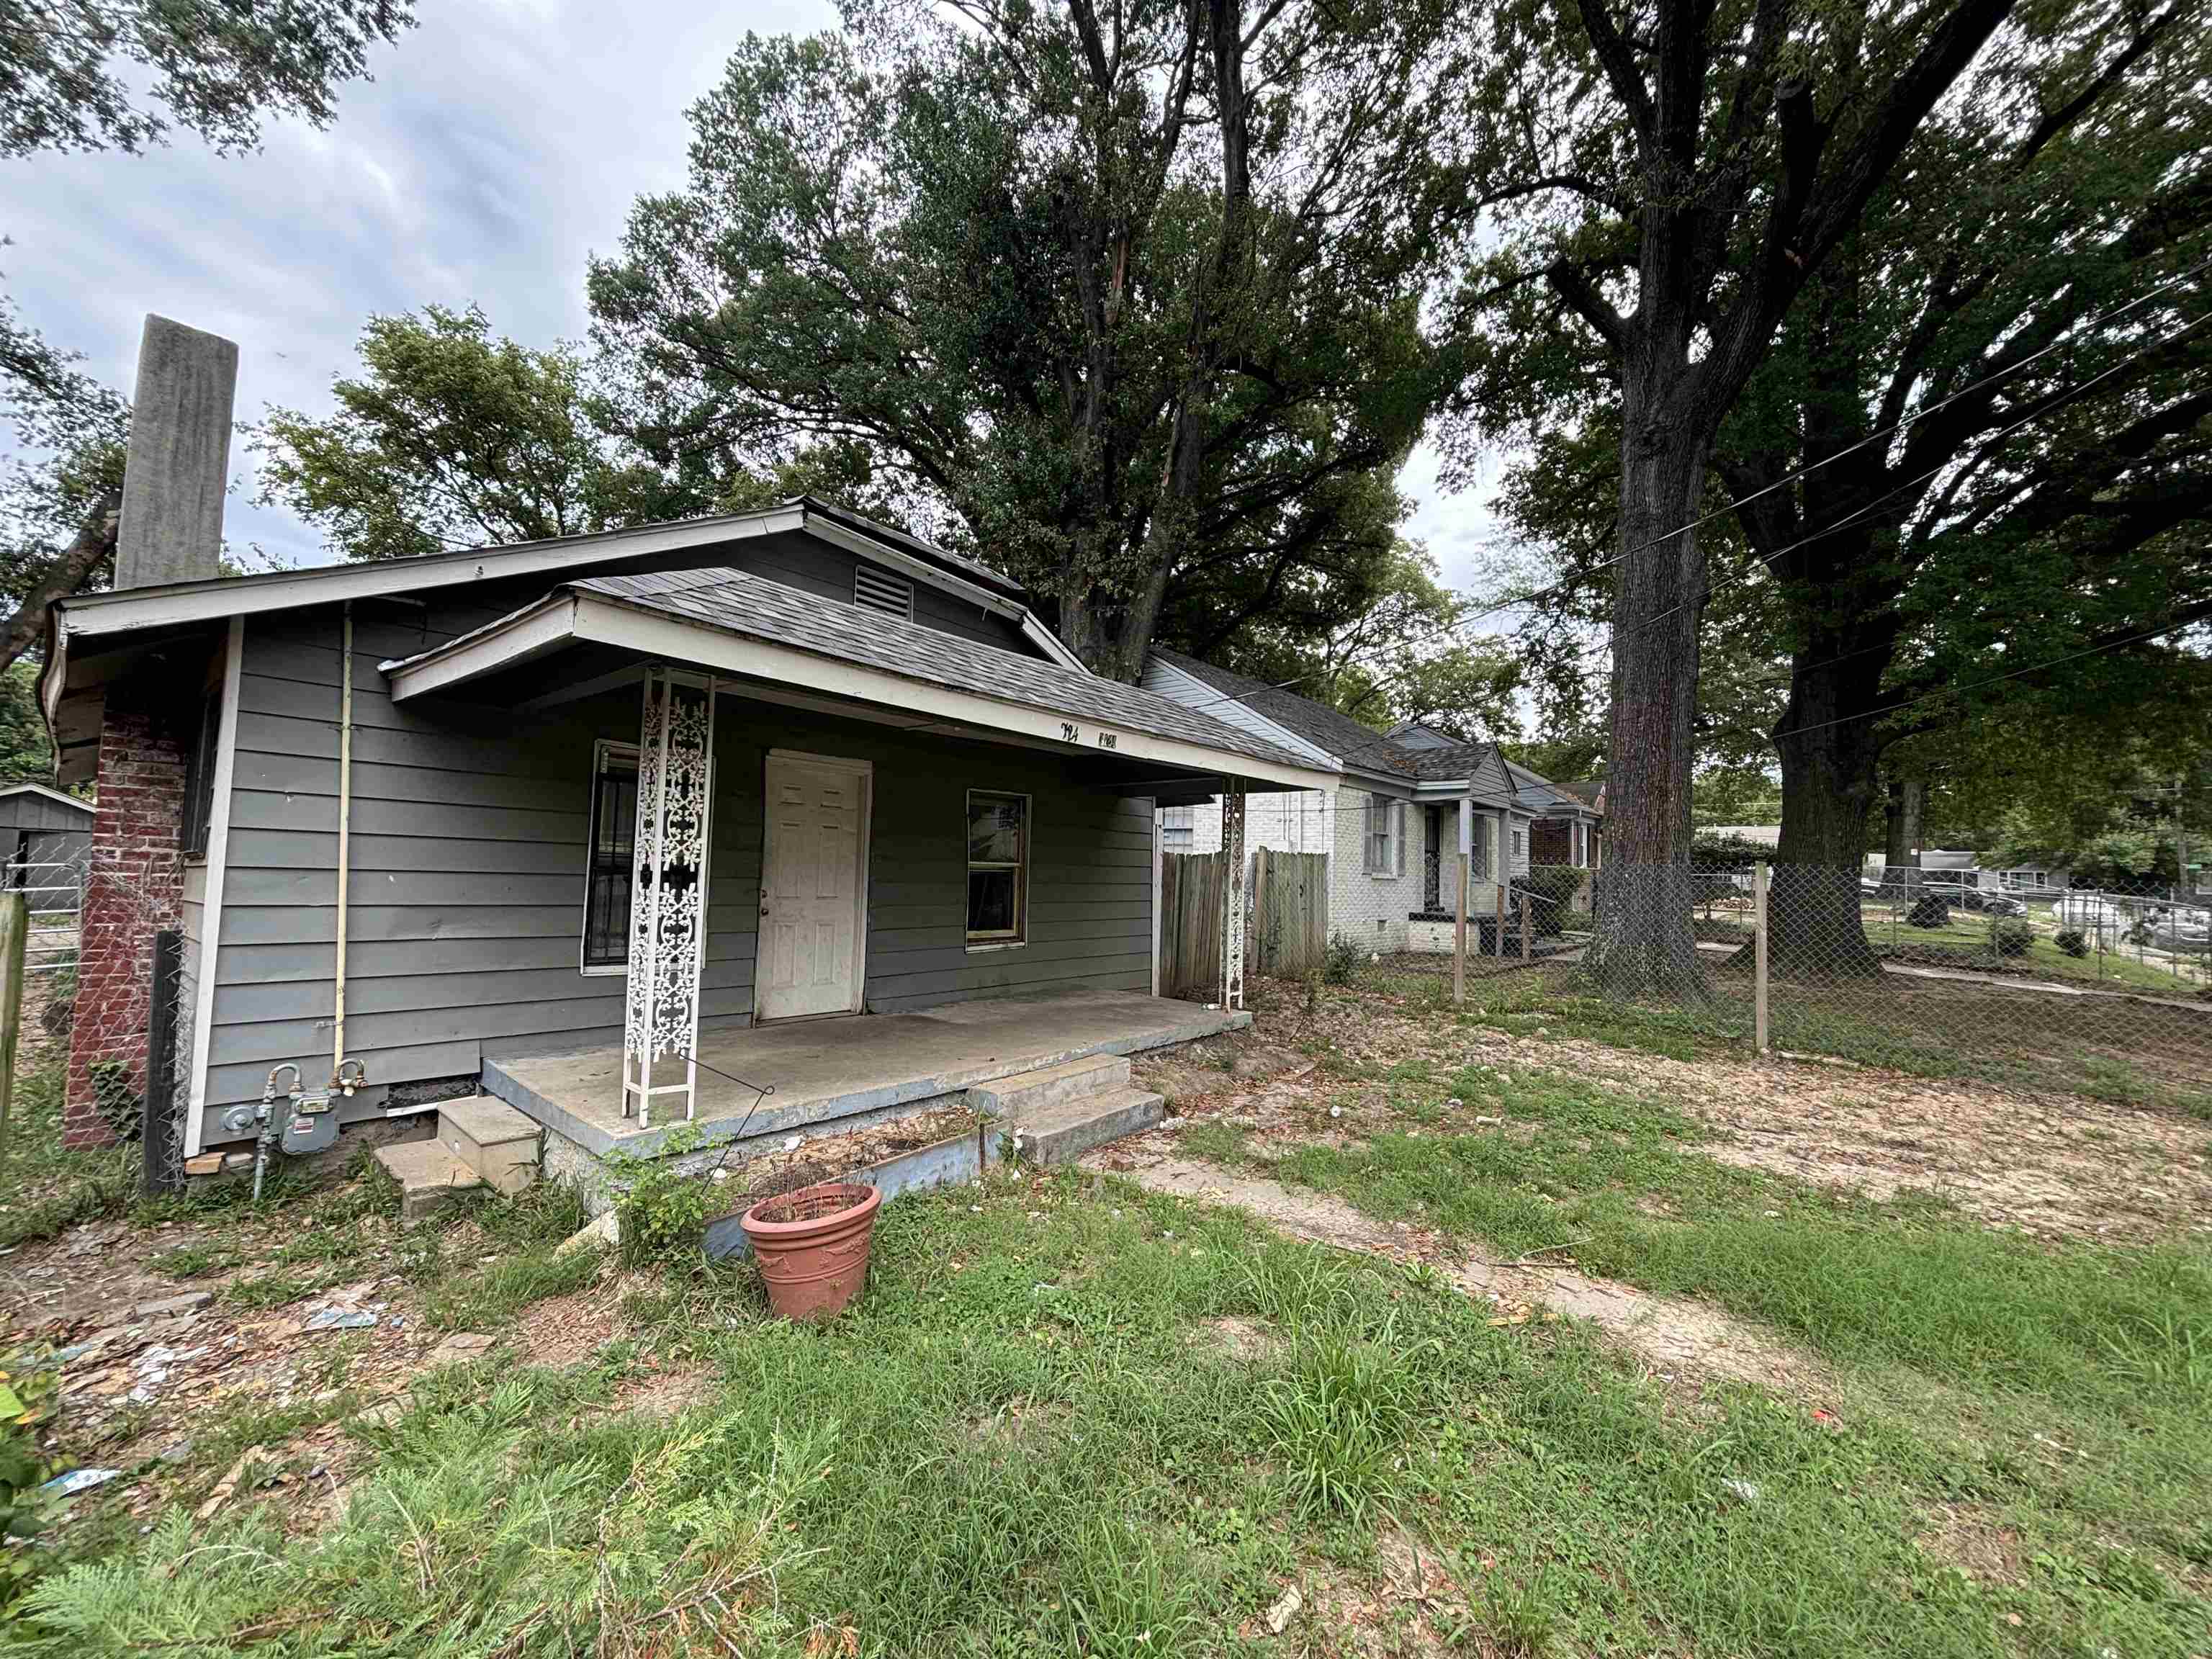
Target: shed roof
{"type": "Point", "coordinates": [40, 791]}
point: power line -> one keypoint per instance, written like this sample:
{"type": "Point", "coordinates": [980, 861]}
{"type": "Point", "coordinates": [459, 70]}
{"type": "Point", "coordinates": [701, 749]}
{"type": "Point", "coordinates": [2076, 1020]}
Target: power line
{"type": "Point", "coordinates": [1460, 622]}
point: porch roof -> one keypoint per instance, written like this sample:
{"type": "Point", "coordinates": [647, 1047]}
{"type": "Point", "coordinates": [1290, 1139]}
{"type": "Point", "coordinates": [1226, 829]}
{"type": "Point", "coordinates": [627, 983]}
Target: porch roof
{"type": "Point", "coordinates": [749, 629]}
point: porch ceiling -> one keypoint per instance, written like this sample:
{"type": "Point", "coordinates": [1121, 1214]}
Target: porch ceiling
{"type": "Point", "coordinates": [857, 1067]}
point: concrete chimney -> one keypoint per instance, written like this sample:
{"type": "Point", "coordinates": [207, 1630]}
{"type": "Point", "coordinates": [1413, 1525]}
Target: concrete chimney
{"type": "Point", "coordinates": [179, 461]}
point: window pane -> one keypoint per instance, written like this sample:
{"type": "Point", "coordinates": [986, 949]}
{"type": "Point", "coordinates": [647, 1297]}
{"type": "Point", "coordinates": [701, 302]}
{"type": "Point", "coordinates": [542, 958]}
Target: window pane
{"type": "Point", "coordinates": [607, 895]}
{"type": "Point", "coordinates": [994, 830]}
{"type": "Point", "coordinates": [991, 900]}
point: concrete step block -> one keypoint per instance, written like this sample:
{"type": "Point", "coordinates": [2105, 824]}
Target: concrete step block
{"type": "Point", "coordinates": [428, 1176]}
{"type": "Point", "coordinates": [1064, 1131]}
{"type": "Point", "coordinates": [1011, 1096]}
{"type": "Point", "coordinates": [493, 1138]}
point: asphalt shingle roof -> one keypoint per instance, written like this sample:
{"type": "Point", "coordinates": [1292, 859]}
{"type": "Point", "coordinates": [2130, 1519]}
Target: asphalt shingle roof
{"type": "Point", "coordinates": [1329, 730]}
{"type": "Point", "coordinates": [761, 609]}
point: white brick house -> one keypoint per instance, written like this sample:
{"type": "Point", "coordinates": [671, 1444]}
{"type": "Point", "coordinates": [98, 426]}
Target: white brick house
{"type": "Point", "coordinates": [1391, 828]}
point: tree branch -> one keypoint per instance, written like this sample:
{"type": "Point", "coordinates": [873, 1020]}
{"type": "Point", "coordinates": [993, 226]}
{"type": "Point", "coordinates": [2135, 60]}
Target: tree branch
{"type": "Point", "coordinates": [68, 573]}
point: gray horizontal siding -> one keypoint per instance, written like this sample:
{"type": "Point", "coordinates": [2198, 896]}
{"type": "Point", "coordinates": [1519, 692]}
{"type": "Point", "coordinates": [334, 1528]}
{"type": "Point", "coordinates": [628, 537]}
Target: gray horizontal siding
{"type": "Point", "coordinates": [468, 853]}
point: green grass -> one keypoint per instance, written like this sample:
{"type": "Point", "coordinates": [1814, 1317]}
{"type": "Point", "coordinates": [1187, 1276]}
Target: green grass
{"type": "Point", "coordinates": [2133, 1053]}
{"type": "Point", "coordinates": [1029, 1440]}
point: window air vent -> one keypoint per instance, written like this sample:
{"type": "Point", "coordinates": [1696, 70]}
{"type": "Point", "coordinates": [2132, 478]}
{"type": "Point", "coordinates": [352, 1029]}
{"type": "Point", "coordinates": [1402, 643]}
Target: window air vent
{"type": "Point", "coordinates": [893, 595]}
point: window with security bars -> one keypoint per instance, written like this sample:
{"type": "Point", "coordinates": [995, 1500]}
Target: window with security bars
{"type": "Point", "coordinates": [998, 867]}
{"type": "Point", "coordinates": [877, 590]}
{"type": "Point", "coordinates": [199, 781]}
{"type": "Point", "coordinates": [612, 867]}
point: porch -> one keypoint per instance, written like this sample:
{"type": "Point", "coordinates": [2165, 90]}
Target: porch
{"type": "Point", "coordinates": [834, 1074]}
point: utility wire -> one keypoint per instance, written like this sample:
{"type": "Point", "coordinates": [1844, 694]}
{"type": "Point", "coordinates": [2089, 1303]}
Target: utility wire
{"type": "Point", "coordinates": [2072, 337]}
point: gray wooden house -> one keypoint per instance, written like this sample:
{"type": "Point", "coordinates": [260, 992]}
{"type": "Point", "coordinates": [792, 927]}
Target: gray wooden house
{"type": "Point", "coordinates": [602, 826]}
{"type": "Point", "coordinates": [44, 838]}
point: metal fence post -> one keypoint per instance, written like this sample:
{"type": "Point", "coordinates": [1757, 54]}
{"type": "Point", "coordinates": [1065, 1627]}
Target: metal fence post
{"type": "Point", "coordinates": [1524, 927]}
{"type": "Point", "coordinates": [14, 931]}
{"type": "Point", "coordinates": [1759, 883]}
{"type": "Point", "coordinates": [163, 1159]}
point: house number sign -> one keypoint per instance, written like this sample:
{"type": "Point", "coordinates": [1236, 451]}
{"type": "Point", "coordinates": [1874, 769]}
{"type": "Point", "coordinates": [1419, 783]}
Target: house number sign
{"type": "Point", "coordinates": [1071, 732]}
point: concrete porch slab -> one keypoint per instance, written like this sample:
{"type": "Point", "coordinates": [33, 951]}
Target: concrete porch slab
{"type": "Point", "coordinates": [857, 1067]}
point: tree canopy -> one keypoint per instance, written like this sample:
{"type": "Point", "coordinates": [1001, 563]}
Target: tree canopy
{"type": "Point", "coordinates": [117, 73]}
{"type": "Point", "coordinates": [451, 437]}
{"type": "Point", "coordinates": [1126, 298]}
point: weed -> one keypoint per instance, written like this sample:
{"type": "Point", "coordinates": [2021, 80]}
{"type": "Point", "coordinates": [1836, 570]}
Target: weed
{"type": "Point", "coordinates": [1518, 1616]}
{"type": "Point", "coordinates": [272, 1290]}
{"type": "Point", "coordinates": [664, 1207]}
{"type": "Point", "coordinates": [191, 1261]}
{"type": "Point", "coordinates": [1336, 1426]}
{"type": "Point", "coordinates": [2166, 1353]}
{"type": "Point", "coordinates": [495, 1295]}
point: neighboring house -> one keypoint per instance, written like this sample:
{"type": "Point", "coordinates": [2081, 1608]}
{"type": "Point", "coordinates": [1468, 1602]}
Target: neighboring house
{"type": "Point", "coordinates": [45, 836]}
{"type": "Point", "coordinates": [1391, 825]}
{"type": "Point", "coordinates": [1964, 868]}
{"type": "Point", "coordinates": [563, 821]}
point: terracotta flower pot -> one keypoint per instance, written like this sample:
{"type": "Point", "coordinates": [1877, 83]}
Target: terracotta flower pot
{"type": "Point", "coordinates": [812, 1246]}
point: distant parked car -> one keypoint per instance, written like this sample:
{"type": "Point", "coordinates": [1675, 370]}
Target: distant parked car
{"type": "Point", "coordinates": [1994, 904]}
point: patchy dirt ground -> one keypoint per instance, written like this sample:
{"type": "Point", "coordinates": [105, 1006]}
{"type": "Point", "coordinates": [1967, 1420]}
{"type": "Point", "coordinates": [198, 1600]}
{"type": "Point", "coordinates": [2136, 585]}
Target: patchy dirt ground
{"type": "Point", "coordinates": [2058, 1166]}
{"type": "Point", "coordinates": [1680, 1341]}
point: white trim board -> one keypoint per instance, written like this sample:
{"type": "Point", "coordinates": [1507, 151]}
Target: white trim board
{"type": "Point", "coordinates": [586, 619]}
{"type": "Point", "coordinates": [180, 603]}
{"type": "Point", "coordinates": [217, 865]}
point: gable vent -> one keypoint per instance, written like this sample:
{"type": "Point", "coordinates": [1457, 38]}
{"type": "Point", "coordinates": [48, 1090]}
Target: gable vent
{"type": "Point", "coordinates": [893, 595]}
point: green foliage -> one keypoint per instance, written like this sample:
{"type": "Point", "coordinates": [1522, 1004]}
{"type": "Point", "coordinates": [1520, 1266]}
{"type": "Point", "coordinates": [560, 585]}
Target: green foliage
{"type": "Point", "coordinates": [1336, 1426]}
{"type": "Point", "coordinates": [2010, 936]}
{"type": "Point", "coordinates": [451, 437]}
{"type": "Point", "coordinates": [663, 1210]}
{"type": "Point", "coordinates": [1555, 886]}
{"type": "Point", "coordinates": [1711, 852]}
{"type": "Point", "coordinates": [2072, 941]}
{"type": "Point", "coordinates": [1000, 270]}
{"type": "Point", "coordinates": [78, 78]}
{"type": "Point", "coordinates": [27, 752]}
{"type": "Point", "coordinates": [1343, 961]}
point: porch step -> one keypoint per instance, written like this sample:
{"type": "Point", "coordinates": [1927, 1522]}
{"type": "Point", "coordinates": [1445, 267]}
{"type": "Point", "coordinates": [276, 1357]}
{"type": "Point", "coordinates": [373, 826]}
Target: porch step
{"type": "Point", "coordinates": [1025, 1092]}
{"type": "Point", "coordinates": [429, 1175]}
{"type": "Point", "coordinates": [491, 1138]}
{"type": "Point", "coordinates": [1063, 1132]}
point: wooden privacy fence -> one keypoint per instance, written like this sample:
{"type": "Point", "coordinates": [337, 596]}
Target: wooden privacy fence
{"type": "Point", "coordinates": [1289, 913]}
{"type": "Point", "coordinates": [1287, 920]}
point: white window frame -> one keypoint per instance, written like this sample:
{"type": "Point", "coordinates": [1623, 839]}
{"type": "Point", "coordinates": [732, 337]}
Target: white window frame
{"type": "Point", "coordinates": [1390, 831]}
{"type": "Point", "coordinates": [1019, 935]}
{"type": "Point", "coordinates": [604, 749]}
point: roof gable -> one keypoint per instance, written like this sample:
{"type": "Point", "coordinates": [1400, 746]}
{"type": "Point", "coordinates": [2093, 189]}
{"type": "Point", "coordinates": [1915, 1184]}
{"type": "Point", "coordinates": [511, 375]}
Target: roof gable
{"type": "Point", "coordinates": [1331, 730]}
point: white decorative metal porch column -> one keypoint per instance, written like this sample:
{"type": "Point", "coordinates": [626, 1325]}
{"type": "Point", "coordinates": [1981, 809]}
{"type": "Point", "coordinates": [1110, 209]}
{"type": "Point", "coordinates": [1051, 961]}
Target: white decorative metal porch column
{"type": "Point", "coordinates": [668, 895]}
{"type": "Point", "coordinates": [1232, 896]}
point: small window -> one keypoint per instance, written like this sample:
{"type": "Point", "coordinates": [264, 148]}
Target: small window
{"type": "Point", "coordinates": [612, 866]}
{"type": "Point", "coordinates": [1384, 842]}
{"type": "Point", "coordinates": [877, 590]}
{"type": "Point", "coordinates": [998, 867]}
{"type": "Point", "coordinates": [1518, 845]}
{"type": "Point", "coordinates": [1178, 828]}
{"type": "Point", "coordinates": [199, 781]}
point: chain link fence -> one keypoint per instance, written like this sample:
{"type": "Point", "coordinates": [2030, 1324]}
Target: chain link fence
{"type": "Point", "coordinates": [2099, 990]}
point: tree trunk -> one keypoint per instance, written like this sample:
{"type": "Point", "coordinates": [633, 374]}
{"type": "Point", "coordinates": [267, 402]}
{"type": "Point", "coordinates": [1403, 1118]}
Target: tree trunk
{"type": "Point", "coordinates": [1829, 761]}
{"type": "Point", "coordinates": [1645, 902]}
{"type": "Point", "coordinates": [1908, 799]}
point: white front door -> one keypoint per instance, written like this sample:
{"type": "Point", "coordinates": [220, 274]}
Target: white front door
{"type": "Point", "coordinates": [813, 887]}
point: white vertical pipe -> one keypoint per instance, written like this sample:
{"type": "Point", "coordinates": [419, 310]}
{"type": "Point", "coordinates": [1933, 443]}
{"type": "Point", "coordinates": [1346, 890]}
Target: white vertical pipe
{"type": "Point", "coordinates": [345, 839]}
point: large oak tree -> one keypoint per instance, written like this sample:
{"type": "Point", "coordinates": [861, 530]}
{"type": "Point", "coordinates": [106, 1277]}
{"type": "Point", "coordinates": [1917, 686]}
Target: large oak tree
{"type": "Point", "coordinates": [1123, 297]}
{"type": "Point", "coordinates": [1668, 176]}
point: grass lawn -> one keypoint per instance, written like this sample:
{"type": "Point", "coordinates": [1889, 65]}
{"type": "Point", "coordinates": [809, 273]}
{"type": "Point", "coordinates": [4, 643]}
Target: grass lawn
{"type": "Point", "coordinates": [1037, 1436]}
{"type": "Point", "coordinates": [2125, 1052]}
{"type": "Point", "coordinates": [1070, 1416]}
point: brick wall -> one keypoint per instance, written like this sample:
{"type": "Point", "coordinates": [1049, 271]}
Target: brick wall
{"type": "Point", "coordinates": [134, 887]}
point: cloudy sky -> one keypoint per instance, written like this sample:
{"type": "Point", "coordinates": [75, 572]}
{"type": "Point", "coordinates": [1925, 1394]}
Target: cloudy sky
{"type": "Point", "coordinates": [501, 144]}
